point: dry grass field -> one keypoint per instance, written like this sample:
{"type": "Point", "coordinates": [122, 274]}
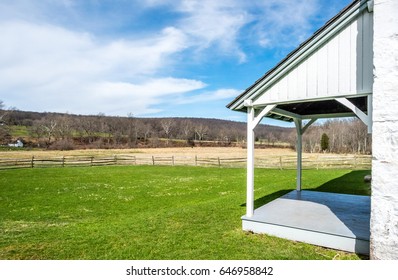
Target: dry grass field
{"type": "Point", "coordinates": [280, 158]}
{"type": "Point", "coordinates": [230, 152]}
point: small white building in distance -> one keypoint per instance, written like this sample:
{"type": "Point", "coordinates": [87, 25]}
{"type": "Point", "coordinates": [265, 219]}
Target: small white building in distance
{"type": "Point", "coordinates": [18, 144]}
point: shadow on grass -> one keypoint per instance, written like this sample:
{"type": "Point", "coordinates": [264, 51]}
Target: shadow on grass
{"type": "Point", "coordinates": [267, 198]}
{"type": "Point", "coordinates": [351, 183]}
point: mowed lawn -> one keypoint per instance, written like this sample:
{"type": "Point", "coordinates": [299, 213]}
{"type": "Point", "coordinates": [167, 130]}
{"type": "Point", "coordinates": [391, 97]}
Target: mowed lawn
{"type": "Point", "coordinates": [150, 212]}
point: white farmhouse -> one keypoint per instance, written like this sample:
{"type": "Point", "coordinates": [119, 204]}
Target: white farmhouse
{"type": "Point", "coordinates": [18, 144]}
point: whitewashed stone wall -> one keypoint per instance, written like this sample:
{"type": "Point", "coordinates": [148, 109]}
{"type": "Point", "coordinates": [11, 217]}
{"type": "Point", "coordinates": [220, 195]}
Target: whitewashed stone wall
{"type": "Point", "coordinates": [384, 202]}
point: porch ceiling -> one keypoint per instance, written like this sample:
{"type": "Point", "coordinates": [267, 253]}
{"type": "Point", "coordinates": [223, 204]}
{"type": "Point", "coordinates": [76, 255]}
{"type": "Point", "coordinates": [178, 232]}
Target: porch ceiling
{"type": "Point", "coordinates": [317, 109]}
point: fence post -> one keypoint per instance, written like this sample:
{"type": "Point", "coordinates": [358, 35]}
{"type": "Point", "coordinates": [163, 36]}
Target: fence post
{"type": "Point", "coordinates": [280, 163]}
{"type": "Point", "coordinates": [33, 162]}
{"type": "Point", "coordinates": [219, 162]}
{"type": "Point", "coordinates": [355, 162]}
{"type": "Point", "coordinates": [63, 161]}
{"type": "Point", "coordinates": [153, 160]}
{"type": "Point", "coordinates": [196, 160]}
{"type": "Point", "coordinates": [91, 161]}
{"type": "Point", "coordinates": [135, 160]}
{"type": "Point", "coordinates": [172, 159]}
{"type": "Point", "coordinates": [115, 159]}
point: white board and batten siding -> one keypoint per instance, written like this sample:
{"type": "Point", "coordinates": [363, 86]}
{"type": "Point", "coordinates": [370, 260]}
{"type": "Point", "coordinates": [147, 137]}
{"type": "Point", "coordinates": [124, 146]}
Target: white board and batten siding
{"type": "Point", "coordinates": [341, 66]}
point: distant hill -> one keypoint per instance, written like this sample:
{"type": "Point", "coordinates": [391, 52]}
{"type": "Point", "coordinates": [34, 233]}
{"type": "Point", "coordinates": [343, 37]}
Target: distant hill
{"type": "Point", "coordinates": [68, 131]}
{"type": "Point", "coordinates": [58, 130]}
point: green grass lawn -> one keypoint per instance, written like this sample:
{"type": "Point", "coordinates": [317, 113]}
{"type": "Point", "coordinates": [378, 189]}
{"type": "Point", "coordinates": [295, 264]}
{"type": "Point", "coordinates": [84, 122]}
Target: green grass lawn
{"type": "Point", "coordinates": [150, 212]}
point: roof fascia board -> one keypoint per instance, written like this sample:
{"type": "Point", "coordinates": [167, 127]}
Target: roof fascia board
{"type": "Point", "coordinates": [303, 53]}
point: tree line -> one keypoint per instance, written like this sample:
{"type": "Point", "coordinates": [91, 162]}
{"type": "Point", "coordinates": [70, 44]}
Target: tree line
{"type": "Point", "coordinates": [69, 131]}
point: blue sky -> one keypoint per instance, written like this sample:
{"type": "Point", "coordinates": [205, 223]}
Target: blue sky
{"type": "Point", "coordinates": [151, 58]}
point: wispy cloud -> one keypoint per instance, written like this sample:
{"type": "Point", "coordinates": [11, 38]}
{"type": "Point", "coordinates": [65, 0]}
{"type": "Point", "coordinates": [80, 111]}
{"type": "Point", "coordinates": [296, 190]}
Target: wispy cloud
{"type": "Point", "coordinates": [221, 25]}
{"type": "Point", "coordinates": [97, 56]}
{"type": "Point", "coordinates": [40, 63]}
{"type": "Point", "coordinates": [208, 96]}
{"type": "Point", "coordinates": [214, 24]}
{"type": "Point", "coordinates": [283, 23]}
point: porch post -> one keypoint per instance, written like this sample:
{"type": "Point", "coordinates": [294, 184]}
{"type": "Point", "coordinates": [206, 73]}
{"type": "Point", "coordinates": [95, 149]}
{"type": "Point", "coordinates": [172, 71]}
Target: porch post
{"type": "Point", "coordinates": [250, 163]}
{"type": "Point", "coordinates": [299, 148]}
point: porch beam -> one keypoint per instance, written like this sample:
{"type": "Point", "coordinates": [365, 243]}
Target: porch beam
{"type": "Point", "coordinates": [361, 115]}
{"type": "Point", "coordinates": [257, 119]}
{"type": "Point", "coordinates": [307, 125]}
{"type": "Point", "coordinates": [328, 116]}
{"type": "Point", "coordinates": [285, 113]}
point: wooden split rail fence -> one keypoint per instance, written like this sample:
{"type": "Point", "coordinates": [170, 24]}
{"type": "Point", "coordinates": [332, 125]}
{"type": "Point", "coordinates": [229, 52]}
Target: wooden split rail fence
{"type": "Point", "coordinates": [279, 162]}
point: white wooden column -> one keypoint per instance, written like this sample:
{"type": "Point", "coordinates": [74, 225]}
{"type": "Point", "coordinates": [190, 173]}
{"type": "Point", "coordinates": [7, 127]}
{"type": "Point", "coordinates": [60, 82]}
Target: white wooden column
{"type": "Point", "coordinates": [250, 163]}
{"type": "Point", "coordinates": [299, 148]}
{"type": "Point", "coordinates": [252, 122]}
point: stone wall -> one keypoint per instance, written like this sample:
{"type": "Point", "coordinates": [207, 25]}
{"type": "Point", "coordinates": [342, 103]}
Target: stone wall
{"type": "Point", "coordinates": [384, 202]}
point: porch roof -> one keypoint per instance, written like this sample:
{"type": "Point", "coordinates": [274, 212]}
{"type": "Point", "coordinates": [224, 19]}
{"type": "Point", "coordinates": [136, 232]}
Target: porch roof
{"type": "Point", "coordinates": [329, 75]}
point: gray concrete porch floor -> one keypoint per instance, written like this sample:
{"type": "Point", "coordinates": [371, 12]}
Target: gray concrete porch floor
{"type": "Point", "coordinates": [337, 221]}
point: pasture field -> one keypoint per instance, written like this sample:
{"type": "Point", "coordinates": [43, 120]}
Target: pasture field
{"type": "Point", "coordinates": [150, 212]}
{"type": "Point", "coordinates": [182, 151]}
{"type": "Point", "coordinates": [274, 158]}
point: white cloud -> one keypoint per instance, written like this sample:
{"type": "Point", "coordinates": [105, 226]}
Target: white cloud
{"type": "Point", "coordinates": [140, 98]}
{"type": "Point", "coordinates": [210, 25]}
{"type": "Point", "coordinates": [49, 62]}
{"type": "Point", "coordinates": [208, 96]}
{"type": "Point", "coordinates": [283, 23]}
{"type": "Point", "coordinates": [51, 68]}
{"type": "Point", "coordinates": [218, 25]}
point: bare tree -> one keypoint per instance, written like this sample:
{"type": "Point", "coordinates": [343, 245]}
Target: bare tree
{"type": "Point", "coordinates": [64, 127]}
{"type": "Point", "coordinates": [49, 128]}
{"type": "Point", "coordinates": [2, 113]}
{"type": "Point", "coordinates": [132, 130]}
{"type": "Point", "coordinates": [167, 125]}
{"type": "Point", "coordinates": [116, 129]}
{"type": "Point", "coordinates": [43, 128]}
{"type": "Point", "coordinates": [36, 131]}
{"type": "Point", "coordinates": [4, 129]}
{"type": "Point", "coordinates": [88, 127]}
{"type": "Point", "coordinates": [186, 128]}
{"type": "Point", "coordinates": [201, 131]}
{"type": "Point", "coordinates": [147, 131]}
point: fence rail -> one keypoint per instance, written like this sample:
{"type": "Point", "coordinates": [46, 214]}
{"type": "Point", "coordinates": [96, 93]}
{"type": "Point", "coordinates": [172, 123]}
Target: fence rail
{"type": "Point", "coordinates": [281, 162]}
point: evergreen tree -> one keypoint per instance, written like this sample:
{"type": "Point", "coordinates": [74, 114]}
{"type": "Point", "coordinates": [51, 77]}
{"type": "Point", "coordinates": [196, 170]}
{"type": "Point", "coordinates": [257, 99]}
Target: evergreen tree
{"type": "Point", "coordinates": [324, 142]}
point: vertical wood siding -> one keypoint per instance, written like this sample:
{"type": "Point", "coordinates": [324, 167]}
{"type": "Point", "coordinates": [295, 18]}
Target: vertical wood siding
{"type": "Point", "coordinates": [342, 66]}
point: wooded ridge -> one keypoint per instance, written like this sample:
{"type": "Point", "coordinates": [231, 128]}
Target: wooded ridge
{"type": "Point", "coordinates": [68, 131]}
